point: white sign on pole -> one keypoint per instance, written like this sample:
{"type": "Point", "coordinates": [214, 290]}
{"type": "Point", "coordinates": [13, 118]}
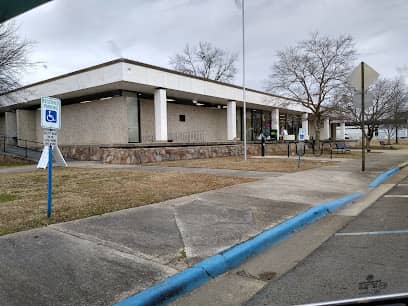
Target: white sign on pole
{"type": "Point", "coordinates": [43, 162]}
{"type": "Point", "coordinates": [50, 122]}
{"type": "Point", "coordinates": [56, 154]}
{"type": "Point", "coordinates": [50, 113]}
{"type": "Point", "coordinates": [370, 75]}
{"type": "Point", "coordinates": [302, 133]}
{"type": "Point", "coordinates": [368, 100]}
{"type": "Point", "coordinates": [50, 137]}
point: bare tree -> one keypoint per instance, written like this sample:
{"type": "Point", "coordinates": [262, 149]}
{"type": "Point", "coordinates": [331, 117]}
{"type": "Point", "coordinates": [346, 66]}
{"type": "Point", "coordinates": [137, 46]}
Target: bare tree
{"type": "Point", "coordinates": [206, 61]}
{"type": "Point", "coordinates": [399, 110]}
{"type": "Point", "coordinates": [312, 72]}
{"type": "Point", "coordinates": [383, 94]}
{"type": "Point", "coordinates": [13, 57]}
{"type": "Point", "coordinates": [389, 128]}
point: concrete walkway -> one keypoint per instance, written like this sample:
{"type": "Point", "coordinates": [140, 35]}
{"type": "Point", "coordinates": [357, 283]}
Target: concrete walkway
{"type": "Point", "coordinates": [18, 169]}
{"type": "Point", "coordinates": [102, 259]}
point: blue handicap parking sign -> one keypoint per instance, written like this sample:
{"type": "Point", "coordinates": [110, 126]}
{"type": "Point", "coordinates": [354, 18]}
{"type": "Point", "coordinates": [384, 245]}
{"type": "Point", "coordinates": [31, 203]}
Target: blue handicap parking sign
{"type": "Point", "coordinates": [50, 115]}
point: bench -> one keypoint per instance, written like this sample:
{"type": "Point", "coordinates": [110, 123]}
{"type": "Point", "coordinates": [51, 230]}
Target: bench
{"type": "Point", "coordinates": [341, 147]}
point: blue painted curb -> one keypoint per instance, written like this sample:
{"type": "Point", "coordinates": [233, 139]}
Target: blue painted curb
{"type": "Point", "coordinates": [383, 177]}
{"type": "Point", "coordinates": [191, 278]}
{"type": "Point", "coordinates": [168, 290]}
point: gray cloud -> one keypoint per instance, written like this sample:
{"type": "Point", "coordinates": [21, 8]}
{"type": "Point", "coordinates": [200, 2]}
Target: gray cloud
{"type": "Point", "coordinates": [75, 34]}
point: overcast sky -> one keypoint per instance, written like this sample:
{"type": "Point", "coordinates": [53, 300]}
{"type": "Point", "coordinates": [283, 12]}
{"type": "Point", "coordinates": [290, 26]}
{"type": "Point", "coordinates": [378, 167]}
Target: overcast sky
{"type": "Point", "coordinates": [73, 34]}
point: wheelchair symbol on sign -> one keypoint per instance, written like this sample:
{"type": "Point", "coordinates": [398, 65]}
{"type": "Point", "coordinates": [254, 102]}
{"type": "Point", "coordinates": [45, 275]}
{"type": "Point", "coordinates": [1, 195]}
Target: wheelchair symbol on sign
{"type": "Point", "coordinates": [50, 116]}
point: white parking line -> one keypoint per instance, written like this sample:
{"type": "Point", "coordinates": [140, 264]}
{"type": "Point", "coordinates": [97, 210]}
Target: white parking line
{"type": "Point", "coordinates": [402, 185]}
{"type": "Point", "coordinates": [396, 196]}
{"type": "Point", "coordinates": [373, 233]}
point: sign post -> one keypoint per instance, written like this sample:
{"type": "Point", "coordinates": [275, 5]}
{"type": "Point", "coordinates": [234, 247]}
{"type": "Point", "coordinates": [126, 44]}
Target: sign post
{"type": "Point", "coordinates": [362, 77]}
{"type": "Point", "coordinates": [49, 198]}
{"type": "Point", "coordinates": [362, 120]}
{"type": "Point", "coordinates": [50, 122]}
{"type": "Point", "coordinates": [301, 138]}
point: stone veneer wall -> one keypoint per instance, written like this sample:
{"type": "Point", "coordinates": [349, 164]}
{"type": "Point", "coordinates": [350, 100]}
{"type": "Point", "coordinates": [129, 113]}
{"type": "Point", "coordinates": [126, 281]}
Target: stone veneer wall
{"type": "Point", "coordinates": [82, 152]}
{"type": "Point", "coordinates": [146, 155]}
{"type": "Point", "coordinates": [140, 154]}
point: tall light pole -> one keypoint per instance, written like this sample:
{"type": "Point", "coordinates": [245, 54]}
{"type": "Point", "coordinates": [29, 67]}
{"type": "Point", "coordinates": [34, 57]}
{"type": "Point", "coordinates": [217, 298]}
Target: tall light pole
{"type": "Point", "coordinates": [243, 76]}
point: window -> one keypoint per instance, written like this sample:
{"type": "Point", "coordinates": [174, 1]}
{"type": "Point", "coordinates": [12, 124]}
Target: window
{"type": "Point", "coordinates": [133, 119]}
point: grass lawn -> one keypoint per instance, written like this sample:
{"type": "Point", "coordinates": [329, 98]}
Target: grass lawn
{"type": "Point", "coordinates": [79, 193]}
{"type": "Point", "coordinates": [251, 164]}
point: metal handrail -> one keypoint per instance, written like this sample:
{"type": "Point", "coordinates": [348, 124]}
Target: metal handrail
{"type": "Point", "coordinates": [18, 142]}
{"type": "Point", "coordinates": [20, 139]}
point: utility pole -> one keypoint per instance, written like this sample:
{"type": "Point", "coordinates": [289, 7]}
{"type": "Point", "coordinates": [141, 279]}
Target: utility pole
{"type": "Point", "coordinates": [243, 76]}
{"type": "Point", "coordinates": [362, 120]}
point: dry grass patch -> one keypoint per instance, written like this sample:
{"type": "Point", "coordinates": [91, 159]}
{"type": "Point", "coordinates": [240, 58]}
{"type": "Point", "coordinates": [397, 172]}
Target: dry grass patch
{"type": "Point", "coordinates": [252, 164]}
{"type": "Point", "coordinates": [79, 193]}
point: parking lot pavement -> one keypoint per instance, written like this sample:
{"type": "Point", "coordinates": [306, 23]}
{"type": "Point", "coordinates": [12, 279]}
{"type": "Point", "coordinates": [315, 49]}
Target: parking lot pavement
{"type": "Point", "coordinates": [367, 257]}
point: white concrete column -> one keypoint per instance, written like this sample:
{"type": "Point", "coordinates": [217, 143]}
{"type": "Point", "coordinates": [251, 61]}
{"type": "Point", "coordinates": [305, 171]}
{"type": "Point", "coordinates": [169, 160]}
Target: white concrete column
{"type": "Point", "coordinates": [160, 114]}
{"type": "Point", "coordinates": [342, 132]}
{"type": "Point", "coordinates": [275, 121]}
{"type": "Point", "coordinates": [326, 129]}
{"type": "Point", "coordinates": [10, 121]}
{"type": "Point", "coordinates": [231, 120]}
{"type": "Point", "coordinates": [10, 127]}
{"type": "Point", "coordinates": [305, 125]}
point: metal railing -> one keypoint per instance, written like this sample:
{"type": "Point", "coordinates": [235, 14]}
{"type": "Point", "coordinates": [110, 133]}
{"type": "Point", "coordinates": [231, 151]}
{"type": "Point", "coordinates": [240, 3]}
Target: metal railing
{"type": "Point", "coordinates": [310, 147]}
{"type": "Point", "coordinates": [185, 136]}
{"type": "Point", "coordinates": [188, 136]}
{"type": "Point", "coordinates": [18, 146]}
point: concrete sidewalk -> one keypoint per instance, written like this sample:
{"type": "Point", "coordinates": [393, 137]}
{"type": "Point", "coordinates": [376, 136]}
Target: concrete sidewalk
{"type": "Point", "coordinates": [102, 259]}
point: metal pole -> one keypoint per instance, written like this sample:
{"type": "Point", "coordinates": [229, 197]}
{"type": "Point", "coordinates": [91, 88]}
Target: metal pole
{"type": "Point", "coordinates": [49, 206]}
{"type": "Point", "coordinates": [298, 161]}
{"type": "Point", "coordinates": [362, 120]}
{"type": "Point", "coordinates": [243, 77]}
{"type": "Point", "coordinates": [331, 152]}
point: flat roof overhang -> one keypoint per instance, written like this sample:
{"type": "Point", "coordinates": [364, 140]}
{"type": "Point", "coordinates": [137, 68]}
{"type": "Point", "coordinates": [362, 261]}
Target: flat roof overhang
{"type": "Point", "coordinates": [11, 9]}
{"type": "Point", "coordinates": [132, 76]}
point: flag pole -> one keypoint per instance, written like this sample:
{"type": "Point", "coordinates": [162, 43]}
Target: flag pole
{"type": "Point", "coordinates": [243, 77]}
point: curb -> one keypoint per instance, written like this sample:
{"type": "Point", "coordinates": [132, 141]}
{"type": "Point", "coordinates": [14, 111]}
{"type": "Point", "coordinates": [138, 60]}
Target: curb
{"type": "Point", "coordinates": [383, 177]}
{"type": "Point", "coordinates": [202, 272]}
